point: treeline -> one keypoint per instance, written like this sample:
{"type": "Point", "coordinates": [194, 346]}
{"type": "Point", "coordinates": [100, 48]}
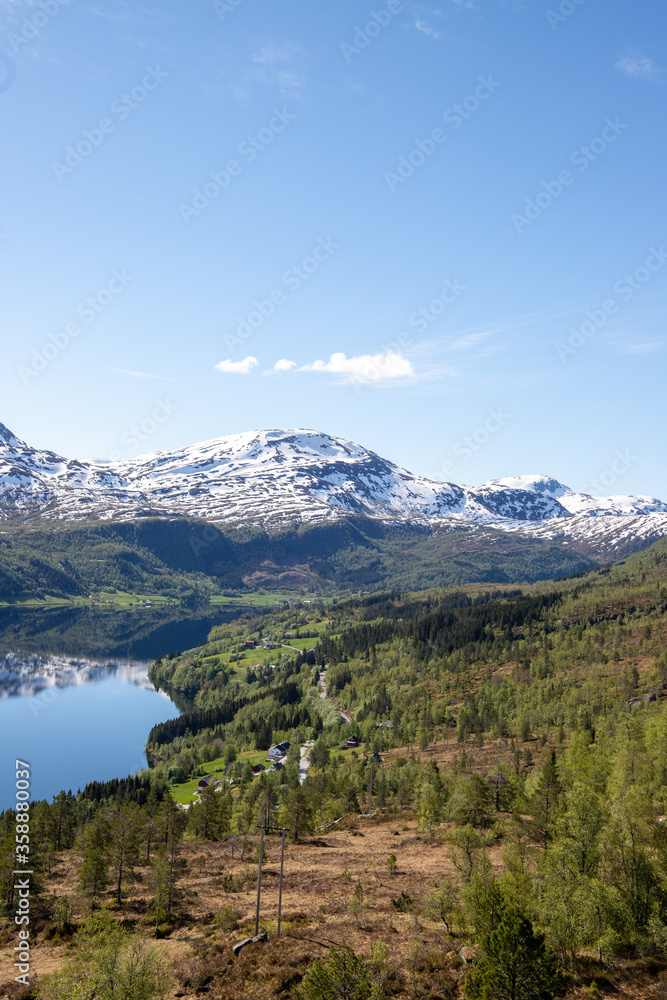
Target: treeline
{"type": "Point", "coordinates": [135, 788]}
{"type": "Point", "coordinates": [459, 622]}
{"type": "Point", "coordinates": [181, 557]}
{"type": "Point", "coordinates": [279, 708]}
{"type": "Point", "coordinates": [75, 559]}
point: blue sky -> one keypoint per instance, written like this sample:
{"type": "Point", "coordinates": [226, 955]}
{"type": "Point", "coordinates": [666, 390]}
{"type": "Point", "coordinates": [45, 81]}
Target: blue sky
{"type": "Point", "coordinates": [439, 231]}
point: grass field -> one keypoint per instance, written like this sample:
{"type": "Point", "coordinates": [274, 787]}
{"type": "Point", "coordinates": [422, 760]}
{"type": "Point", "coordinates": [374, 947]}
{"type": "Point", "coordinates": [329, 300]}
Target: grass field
{"type": "Point", "coordinates": [262, 657]}
{"type": "Point", "coordinates": [184, 793]}
{"type": "Point", "coordinates": [126, 600]}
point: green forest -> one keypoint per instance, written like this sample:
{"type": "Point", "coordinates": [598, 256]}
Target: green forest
{"type": "Point", "coordinates": [189, 560]}
{"type": "Point", "coordinates": [511, 739]}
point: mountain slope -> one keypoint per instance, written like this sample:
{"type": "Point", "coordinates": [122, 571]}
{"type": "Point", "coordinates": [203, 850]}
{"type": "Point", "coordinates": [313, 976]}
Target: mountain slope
{"type": "Point", "coordinates": [284, 478]}
{"type": "Point", "coordinates": [179, 557]}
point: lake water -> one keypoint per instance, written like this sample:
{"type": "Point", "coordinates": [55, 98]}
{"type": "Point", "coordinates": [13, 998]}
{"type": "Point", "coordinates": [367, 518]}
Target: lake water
{"type": "Point", "coordinates": [93, 729]}
{"type": "Point", "coordinates": [79, 707]}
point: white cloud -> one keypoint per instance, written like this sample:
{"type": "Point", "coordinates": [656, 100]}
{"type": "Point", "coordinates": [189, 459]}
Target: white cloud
{"type": "Point", "coordinates": [284, 365]}
{"type": "Point", "coordinates": [426, 29]}
{"type": "Point", "coordinates": [365, 367]}
{"type": "Point", "coordinates": [237, 367]}
{"type": "Point", "coordinates": [640, 67]}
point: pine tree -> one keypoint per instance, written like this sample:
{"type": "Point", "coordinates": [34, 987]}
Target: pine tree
{"type": "Point", "coordinates": [544, 802]}
{"type": "Point", "coordinates": [516, 965]}
{"type": "Point", "coordinates": [125, 828]}
{"type": "Point", "coordinates": [296, 813]}
{"type": "Point", "coordinates": [172, 822]}
{"type": "Point", "coordinates": [94, 871]}
{"type": "Point", "coordinates": [152, 821]}
{"type": "Point", "coordinates": [168, 868]}
{"type": "Point", "coordinates": [62, 821]}
{"type": "Point", "coordinates": [204, 815]}
{"type": "Point", "coordinates": [344, 976]}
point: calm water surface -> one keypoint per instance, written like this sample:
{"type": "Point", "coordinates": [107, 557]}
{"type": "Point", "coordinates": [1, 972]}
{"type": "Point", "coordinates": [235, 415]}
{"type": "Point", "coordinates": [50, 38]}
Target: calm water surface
{"type": "Point", "coordinates": [90, 731]}
{"type": "Point", "coordinates": [89, 723]}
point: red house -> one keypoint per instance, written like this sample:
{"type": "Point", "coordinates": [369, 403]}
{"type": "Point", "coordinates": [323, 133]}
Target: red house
{"type": "Point", "coordinates": [353, 742]}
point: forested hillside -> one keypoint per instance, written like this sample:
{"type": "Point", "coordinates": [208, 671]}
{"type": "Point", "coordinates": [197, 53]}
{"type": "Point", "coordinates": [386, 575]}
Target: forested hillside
{"type": "Point", "coordinates": [174, 557]}
{"type": "Point", "coordinates": [506, 796]}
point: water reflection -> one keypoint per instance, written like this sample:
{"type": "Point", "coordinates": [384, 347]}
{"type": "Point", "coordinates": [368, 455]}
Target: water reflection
{"type": "Point", "coordinates": [105, 633]}
{"type": "Point", "coordinates": [24, 674]}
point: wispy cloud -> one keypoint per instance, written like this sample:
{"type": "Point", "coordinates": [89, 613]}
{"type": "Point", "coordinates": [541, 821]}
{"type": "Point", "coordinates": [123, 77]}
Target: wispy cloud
{"type": "Point", "coordinates": [133, 374]}
{"type": "Point", "coordinates": [426, 29]}
{"type": "Point", "coordinates": [364, 367]}
{"type": "Point", "coordinates": [638, 66]}
{"type": "Point", "coordinates": [274, 53]}
{"type": "Point", "coordinates": [467, 339]}
{"type": "Point", "coordinates": [237, 367]}
{"type": "Point", "coordinates": [284, 365]}
{"type": "Point", "coordinates": [470, 340]}
{"type": "Point", "coordinates": [648, 348]}
{"type": "Point", "coordinates": [273, 65]}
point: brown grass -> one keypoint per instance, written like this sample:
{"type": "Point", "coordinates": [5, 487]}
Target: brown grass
{"type": "Point", "coordinates": [319, 881]}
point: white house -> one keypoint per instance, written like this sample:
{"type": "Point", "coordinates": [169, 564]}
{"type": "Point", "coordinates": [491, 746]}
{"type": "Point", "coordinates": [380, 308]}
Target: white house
{"type": "Point", "coordinates": [278, 751]}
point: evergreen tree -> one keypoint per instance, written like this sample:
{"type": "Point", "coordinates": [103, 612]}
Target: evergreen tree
{"type": "Point", "coordinates": [152, 810]}
{"type": "Point", "coordinates": [125, 829]}
{"type": "Point", "coordinates": [296, 813]}
{"type": "Point", "coordinates": [516, 965]}
{"type": "Point", "coordinates": [172, 822]}
{"type": "Point", "coordinates": [94, 870]}
{"type": "Point", "coordinates": [168, 868]}
{"type": "Point", "coordinates": [62, 821]}
{"type": "Point", "coordinates": [344, 976]}
{"type": "Point", "coordinates": [543, 803]}
{"type": "Point", "coordinates": [204, 816]}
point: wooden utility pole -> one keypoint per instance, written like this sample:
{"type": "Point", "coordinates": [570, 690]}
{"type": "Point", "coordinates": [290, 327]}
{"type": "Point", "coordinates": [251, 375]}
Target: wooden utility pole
{"type": "Point", "coordinates": [370, 794]}
{"type": "Point", "coordinates": [280, 884]}
{"type": "Point", "coordinates": [259, 879]}
{"type": "Point", "coordinates": [381, 787]}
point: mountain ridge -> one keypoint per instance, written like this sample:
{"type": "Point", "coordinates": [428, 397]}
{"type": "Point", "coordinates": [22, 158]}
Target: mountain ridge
{"type": "Point", "coordinates": [285, 477]}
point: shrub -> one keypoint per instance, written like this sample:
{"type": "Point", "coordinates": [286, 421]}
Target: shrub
{"type": "Point", "coordinates": [344, 976]}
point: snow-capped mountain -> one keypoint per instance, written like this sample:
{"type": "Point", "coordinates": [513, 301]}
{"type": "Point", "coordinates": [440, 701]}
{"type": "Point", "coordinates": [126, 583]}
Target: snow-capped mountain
{"type": "Point", "coordinates": [281, 477]}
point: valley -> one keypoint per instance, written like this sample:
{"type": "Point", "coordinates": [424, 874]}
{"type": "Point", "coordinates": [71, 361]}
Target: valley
{"type": "Point", "coordinates": [465, 691]}
{"type": "Point", "coordinates": [501, 748]}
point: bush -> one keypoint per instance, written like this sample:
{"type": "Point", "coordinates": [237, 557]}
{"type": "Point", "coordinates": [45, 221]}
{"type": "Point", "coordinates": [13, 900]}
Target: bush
{"type": "Point", "coordinates": [226, 920]}
{"type": "Point", "coordinates": [403, 903]}
{"type": "Point", "coordinates": [120, 967]}
{"type": "Point", "coordinates": [344, 976]}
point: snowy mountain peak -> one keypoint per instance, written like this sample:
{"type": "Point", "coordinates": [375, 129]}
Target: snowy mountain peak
{"type": "Point", "coordinates": [534, 484]}
{"type": "Point", "coordinates": [291, 476]}
{"type": "Point", "coordinates": [280, 444]}
{"type": "Point", "coordinates": [8, 438]}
